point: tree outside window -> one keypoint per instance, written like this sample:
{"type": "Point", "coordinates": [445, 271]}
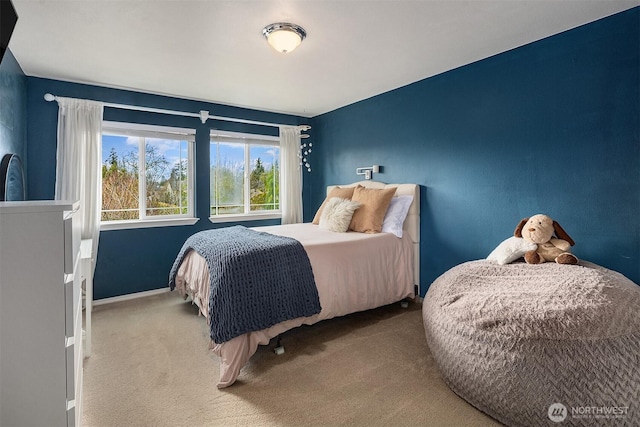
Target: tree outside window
{"type": "Point", "coordinates": [240, 190]}
{"type": "Point", "coordinates": [163, 159]}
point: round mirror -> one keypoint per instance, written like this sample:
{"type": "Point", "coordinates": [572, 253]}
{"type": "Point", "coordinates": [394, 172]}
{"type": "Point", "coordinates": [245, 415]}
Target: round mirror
{"type": "Point", "coordinates": [11, 178]}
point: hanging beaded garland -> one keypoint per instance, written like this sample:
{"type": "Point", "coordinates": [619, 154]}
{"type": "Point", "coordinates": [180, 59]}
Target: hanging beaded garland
{"type": "Point", "coordinates": [303, 155]}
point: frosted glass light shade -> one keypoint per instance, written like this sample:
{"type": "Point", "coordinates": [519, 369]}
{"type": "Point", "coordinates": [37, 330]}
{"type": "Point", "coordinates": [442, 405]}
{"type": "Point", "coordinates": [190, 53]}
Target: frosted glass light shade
{"type": "Point", "coordinates": [284, 37]}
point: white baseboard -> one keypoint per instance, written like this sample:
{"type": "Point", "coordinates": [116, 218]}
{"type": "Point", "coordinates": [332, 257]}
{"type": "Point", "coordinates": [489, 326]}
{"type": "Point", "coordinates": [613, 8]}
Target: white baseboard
{"type": "Point", "coordinates": [127, 297]}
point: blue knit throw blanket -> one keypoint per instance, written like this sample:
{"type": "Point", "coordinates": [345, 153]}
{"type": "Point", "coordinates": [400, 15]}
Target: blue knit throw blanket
{"type": "Point", "coordinates": [257, 279]}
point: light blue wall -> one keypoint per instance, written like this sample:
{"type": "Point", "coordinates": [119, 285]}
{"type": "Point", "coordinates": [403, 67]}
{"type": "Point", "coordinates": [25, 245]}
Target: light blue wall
{"type": "Point", "coordinates": [13, 108]}
{"type": "Point", "coordinates": [551, 127]}
{"type": "Point", "coordinates": [134, 260]}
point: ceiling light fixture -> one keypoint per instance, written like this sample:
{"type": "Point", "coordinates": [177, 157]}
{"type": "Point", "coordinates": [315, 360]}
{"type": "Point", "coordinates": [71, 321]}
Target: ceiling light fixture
{"type": "Point", "coordinates": [284, 37]}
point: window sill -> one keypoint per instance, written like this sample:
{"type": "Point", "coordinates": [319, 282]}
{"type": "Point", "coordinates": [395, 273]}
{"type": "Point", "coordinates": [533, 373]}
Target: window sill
{"type": "Point", "coordinates": [241, 218]}
{"type": "Point", "coordinates": [147, 223]}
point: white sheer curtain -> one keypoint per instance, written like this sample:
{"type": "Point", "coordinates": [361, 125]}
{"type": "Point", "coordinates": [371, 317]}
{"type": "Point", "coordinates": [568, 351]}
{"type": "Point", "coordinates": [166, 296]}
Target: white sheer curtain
{"type": "Point", "coordinates": [79, 159]}
{"type": "Point", "coordinates": [290, 175]}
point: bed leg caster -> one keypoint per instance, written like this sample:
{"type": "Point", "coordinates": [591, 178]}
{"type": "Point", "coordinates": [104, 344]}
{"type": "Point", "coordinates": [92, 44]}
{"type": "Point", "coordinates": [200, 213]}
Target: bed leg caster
{"type": "Point", "coordinates": [404, 304]}
{"type": "Point", "coordinates": [279, 348]}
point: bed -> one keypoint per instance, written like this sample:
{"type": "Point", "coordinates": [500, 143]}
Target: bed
{"type": "Point", "coordinates": [531, 344]}
{"type": "Point", "coordinates": [353, 272]}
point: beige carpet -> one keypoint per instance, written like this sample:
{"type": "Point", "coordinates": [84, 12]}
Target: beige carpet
{"type": "Point", "coordinates": [151, 367]}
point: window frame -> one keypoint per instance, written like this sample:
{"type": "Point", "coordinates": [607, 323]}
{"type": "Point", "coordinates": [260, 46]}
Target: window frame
{"type": "Point", "coordinates": [246, 140]}
{"type": "Point", "coordinates": [160, 132]}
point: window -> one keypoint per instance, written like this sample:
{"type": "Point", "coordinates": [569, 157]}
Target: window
{"type": "Point", "coordinates": [245, 176]}
{"type": "Point", "coordinates": [163, 157]}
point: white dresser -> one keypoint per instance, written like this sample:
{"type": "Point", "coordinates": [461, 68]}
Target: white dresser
{"type": "Point", "coordinates": [40, 314]}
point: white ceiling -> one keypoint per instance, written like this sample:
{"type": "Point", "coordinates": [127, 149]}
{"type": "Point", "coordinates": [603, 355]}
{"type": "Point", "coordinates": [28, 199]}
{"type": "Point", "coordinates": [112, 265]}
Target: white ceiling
{"type": "Point", "coordinates": [214, 50]}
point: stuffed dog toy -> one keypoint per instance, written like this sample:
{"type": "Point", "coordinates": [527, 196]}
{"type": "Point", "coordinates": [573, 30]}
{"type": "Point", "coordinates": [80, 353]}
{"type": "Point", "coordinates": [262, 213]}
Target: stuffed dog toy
{"type": "Point", "coordinates": [540, 229]}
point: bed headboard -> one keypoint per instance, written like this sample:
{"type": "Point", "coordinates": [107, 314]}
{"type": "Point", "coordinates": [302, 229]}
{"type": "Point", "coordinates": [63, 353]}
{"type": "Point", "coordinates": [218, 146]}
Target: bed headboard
{"type": "Point", "coordinates": [411, 224]}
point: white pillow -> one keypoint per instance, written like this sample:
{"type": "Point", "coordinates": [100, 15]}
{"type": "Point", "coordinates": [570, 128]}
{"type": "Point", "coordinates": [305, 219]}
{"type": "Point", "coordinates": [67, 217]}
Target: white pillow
{"type": "Point", "coordinates": [337, 213]}
{"type": "Point", "coordinates": [510, 250]}
{"type": "Point", "coordinates": [396, 214]}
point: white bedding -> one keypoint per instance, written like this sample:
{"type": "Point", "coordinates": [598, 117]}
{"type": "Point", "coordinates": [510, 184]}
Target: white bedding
{"type": "Point", "coordinates": [353, 272]}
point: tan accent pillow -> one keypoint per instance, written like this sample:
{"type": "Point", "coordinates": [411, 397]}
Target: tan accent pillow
{"type": "Point", "coordinates": [374, 203]}
{"type": "Point", "coordinates": [342, 192]}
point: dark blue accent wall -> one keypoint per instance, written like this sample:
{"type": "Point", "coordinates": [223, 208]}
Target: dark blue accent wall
{"type": "Point", "coordinates": [135, 260]}
{"type": "Point", "coordinates": [13, 108]}
{"type": "Point", "coordinates": [551, 127]}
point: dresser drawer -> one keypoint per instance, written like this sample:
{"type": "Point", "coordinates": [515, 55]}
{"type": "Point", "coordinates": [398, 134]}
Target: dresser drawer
{"type": "Point", "coordinates": [79, 378]}
{"type": "Point", "coordinates": [69, 312]}
{"type": "Point", "coordinates": [70, 370]}
{"type": "Point", "coordinates": [73, 353]}
{"type": "Point", "coordinates": [71, 417]}
{"type": "Point", "coordinates": [71, 242]}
